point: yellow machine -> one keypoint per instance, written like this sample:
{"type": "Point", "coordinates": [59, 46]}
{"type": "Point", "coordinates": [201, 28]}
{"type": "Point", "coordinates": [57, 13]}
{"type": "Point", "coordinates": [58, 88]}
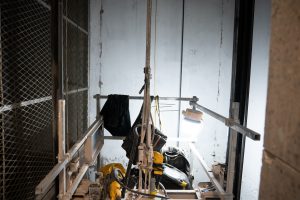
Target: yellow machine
{"type": "Point", "coordinates": [112, 187]}
{"type": "Point", "coordinates": [158, 160]}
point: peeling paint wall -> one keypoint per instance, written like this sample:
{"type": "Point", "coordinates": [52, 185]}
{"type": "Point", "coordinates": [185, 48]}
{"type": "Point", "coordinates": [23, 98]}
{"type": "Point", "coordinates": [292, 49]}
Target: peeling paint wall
{"type": "Point", "coordinates": [206, 72]}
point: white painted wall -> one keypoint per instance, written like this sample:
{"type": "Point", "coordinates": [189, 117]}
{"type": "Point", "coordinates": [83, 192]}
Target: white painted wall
{"type": "Point", "coordinates": [257, 99]}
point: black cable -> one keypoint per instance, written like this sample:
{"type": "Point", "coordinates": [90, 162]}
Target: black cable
{"type": "Point", "coordinates": [116, 176]}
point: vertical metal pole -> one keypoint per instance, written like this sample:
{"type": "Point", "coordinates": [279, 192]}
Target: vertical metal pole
{"type": "Point", "coordinates": [61, 146]}
{"type": "Point", "coordinates": [145, 129]}
{"type": "Point", "coordinates": [180, 75]}
{"type": "Point", "coordinates": [60, 92]}
{"type": "Point", "coordinates": [61, 103]}
{"type": "Point", "coordinates": [2, 116]}
{"type": "Point", "coordinates": [55, 72]}
{"type": "Point", "coordinates": [232, 149]}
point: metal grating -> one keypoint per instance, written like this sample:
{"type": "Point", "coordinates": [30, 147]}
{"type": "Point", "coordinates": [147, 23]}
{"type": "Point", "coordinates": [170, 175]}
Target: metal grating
{"type": "Point", "coordinates": [26, 103]}
{"type": "Point", "coordinates": [75, 67]}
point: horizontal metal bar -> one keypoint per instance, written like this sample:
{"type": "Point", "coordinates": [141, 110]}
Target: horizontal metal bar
{"type": "Point", "coordinates": [181, 139]}
{"type": "Point", "coordinates": [207, 170]}
{"type": "Point", "coordinates": [210, 112]}
{"type": "Point", "coordinates": [160, 98]}
{"type": "Point", "coordinates": [92, 129]}
{"type": "Point", "coordinates": [169, 138]}
{"type": "Point", "coordinates": [43, 185]}
{"type": "Point", "coordinates": [182, 191]}
{"type": "Point", "coordinates": [75, 25]}
{"type": "Point", "coordinates": [76, 91]}
{"type": "Point", "coordinates": [76, 182]}
{"type": "Point", "coordinates": [229, 122]}
{"type": "Point", "coordinates": [113, 138]}
{"type": "Point", "coordinates": [24, 103]}
{"type": "Point", "coordinates": [246, 131]}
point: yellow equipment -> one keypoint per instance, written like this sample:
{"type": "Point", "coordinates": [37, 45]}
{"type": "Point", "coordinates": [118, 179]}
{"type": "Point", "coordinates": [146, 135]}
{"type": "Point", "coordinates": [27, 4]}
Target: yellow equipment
{"type": "Point", "coordinates": [158, 160]}
{"type": "Point", "coordinates": [112, 187]}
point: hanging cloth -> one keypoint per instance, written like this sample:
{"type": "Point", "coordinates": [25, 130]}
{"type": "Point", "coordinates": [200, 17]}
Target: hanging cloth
{"type": "Point", "coordinates": [116, 115]}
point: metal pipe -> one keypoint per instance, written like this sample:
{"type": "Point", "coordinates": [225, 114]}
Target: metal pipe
{"type": "Point", "coordinates": [207, 170]}
{"type": "Point", "coordinates": [41, 188]}
{"type": "Point", "coordinates": [60, 51]}
{"type": "Point", "coordinates": [193, 102]}
{"type": "Point", "coordinates": [229, 122]}
{"type": "Point", "coordinates": [76, 182]}
{"type": "Point", "coordinates": [145, 129]}
{"type": "Point", "coordinates": [113, 138]}
{"type": "Point", "coordinates": [181, 66]}
{"type": "Point", "coordinates": [76, 91]}
{"type": "Point", "coordinates": [61, 127]}
{"type": "Point", "coordinates": [24, 103]}
{"type": "Point", "coordinates": [160, 98]}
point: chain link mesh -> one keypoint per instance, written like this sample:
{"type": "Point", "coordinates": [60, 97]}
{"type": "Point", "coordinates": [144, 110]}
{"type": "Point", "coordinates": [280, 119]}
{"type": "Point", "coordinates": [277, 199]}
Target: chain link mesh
{"type": "Point", "coordinates": [26, 104]}
{"type": "Point", "coordinates": [76, 68]}
{"type": "Point", "coordinates": [26, 113]}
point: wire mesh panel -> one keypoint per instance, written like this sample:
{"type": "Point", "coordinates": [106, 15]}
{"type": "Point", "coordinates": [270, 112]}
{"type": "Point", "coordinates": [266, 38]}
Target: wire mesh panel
{"type": "Point", "coordinates": [76, 67]}
{"type": "Point", "coordinates": [26, 97]}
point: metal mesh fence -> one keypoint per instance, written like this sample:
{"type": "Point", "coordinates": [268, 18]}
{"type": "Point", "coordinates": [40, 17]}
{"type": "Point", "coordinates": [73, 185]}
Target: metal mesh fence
{"type": "Point", "coordinates": [76, 67]}
{"type": "Point", "coordinates": [26, 105]}
{"type": "Point", "coordinates": [26, 97]}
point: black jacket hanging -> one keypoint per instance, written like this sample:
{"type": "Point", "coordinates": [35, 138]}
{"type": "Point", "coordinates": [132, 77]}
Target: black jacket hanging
{"type": "Point", "coordinates": [116, 115]}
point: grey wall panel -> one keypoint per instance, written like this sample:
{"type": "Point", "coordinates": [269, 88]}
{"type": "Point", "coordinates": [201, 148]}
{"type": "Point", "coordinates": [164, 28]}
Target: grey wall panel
{"type": "Point", "coordinates": [166, 56]}
{"type": "Point", "coordinates": [208, 39]}
{"type": "Point", "coordinates": [123, 57]}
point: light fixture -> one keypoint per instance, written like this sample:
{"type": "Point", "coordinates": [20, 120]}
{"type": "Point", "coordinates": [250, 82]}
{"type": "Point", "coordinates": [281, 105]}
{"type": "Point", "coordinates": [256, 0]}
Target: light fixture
{"type": "Point", "coordinates": [191, 113]}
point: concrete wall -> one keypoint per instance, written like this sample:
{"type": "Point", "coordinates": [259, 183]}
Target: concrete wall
{"type": "Point", "coordinates": [257, 99]}
{"type": "Point", "coordinates": [122, 61]}
{"type": "Point", "coordinates": [280, 172]}
{"type": "Point", "coordinates": [207, 66]}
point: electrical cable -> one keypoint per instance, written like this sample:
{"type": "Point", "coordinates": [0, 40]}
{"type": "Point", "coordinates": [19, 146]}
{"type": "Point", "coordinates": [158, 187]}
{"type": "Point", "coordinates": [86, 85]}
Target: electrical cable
{"type": "Point", "coordinates": [163, 188]}
{"type": "Point", "coordinates": [116, 176]}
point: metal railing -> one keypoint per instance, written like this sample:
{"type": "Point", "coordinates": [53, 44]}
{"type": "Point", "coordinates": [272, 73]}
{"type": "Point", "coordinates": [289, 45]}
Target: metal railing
{"type": "Point", "coordinates": [65, 192]}
{"type": "Point", "coordinates": [65, 158]}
